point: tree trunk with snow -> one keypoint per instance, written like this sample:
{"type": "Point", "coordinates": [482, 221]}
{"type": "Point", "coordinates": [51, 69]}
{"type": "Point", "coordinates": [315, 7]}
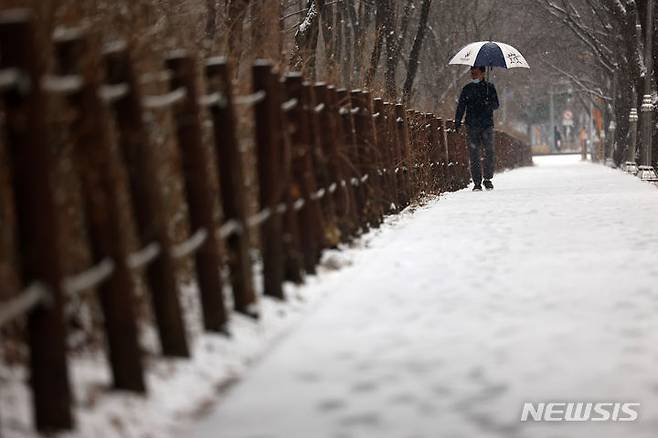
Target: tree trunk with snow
{"type": "Point", "coordinates": [303, 58]}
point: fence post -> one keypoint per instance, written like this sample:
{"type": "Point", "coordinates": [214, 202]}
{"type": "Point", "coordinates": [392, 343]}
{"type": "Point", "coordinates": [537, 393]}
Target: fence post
{"type": "Point", "coordinates": [342, 115]}
{"type": "Point", "coordinates": [325, 229]}
{"type": "Point", "coordinates": [34, 201]}
{"type": "Point", "coordinates": [371, 163]}
{"type": "Point", "coordinates": [303, 178]}
{"type": "Point", "coordinates": [194, 156]}
{"type": "Point", "coordinates": [448, 168]}
{"type": "Point", "coordinates": [294, 261]}
{"type": "Point", "coordinates": [326, 135]}
{"type": "Point", "coordinates": [360, 157]}
{"type": "Point", "coordinates": [231, 181]}
{"type": "Point", "coordinates": [350, 156]}
{"type": "Point", "coordinates": [268, 143]}
{"type": "Point", "coordinates": [462, 156]}
{"type": "Point", "coordinates": [413, 153]}
{"type": "Point", "coordinates": [383, 149]}
{"type": "Point", "coordinates": [391, 156]}
{"type": "Point", "coordinates": [97, 166]}
{"type": "Point", "coordinates": [147, 199]}
{"type": "Point", "coordinates": [403, 164]}
{"type": "Point", "coordinates": [439, 155]}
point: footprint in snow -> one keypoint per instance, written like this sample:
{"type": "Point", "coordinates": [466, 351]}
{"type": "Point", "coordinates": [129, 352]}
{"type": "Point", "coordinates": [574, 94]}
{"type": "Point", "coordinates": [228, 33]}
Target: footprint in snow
{"type": "Point", "coordinates": [331, 404]}
{"type": "Point", "coordinates": [365, 386]}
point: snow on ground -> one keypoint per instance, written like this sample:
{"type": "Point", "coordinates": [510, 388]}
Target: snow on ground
{"type": "Point", "coordinates": [180, 391]}
{"type": "Point", "coordinates": [440, 324]}
{"type": "Point", "coordinates": [543, 290]}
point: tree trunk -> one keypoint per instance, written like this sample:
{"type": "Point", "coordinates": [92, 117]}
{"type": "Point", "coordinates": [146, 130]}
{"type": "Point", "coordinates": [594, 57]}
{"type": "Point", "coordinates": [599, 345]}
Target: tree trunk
{"type": "Point", "coordinates": [328, 15]}
{"type": "Point", "coordinates": [266, 16]}
{"type": "Point", "coordinates": [414, 58]}
{"type": "Point", "coordinates": [237, 10]}
{"type": "Point", "coordinates": [357, 40]}
{"type": "Point", "coordinates": [211, 18]}
{"type": "Point", "coordinates": [338, 40]}
{"type": "Point", "coordinates": [379, 42]}
{"type": "Point", "coordinates": [348, 34]}
{"type": "Point", "coordinates": [392, 55]}
{"type": "Point", "coordinates": [303, 58]}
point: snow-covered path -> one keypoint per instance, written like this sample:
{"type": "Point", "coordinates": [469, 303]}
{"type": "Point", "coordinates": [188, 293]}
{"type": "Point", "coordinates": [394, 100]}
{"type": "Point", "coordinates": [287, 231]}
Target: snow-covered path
{"type": "Point", "coordinates": [543, 290]}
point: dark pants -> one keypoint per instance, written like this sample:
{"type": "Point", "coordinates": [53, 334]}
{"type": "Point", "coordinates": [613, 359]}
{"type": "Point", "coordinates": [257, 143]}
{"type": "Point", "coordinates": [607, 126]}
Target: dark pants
{"type": "Point", "coordinates": [477, 138]}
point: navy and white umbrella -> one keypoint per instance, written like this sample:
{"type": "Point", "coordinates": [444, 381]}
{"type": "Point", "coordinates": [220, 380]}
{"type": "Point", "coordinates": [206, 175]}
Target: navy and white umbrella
{"type": "Point", "coordinates": [490, 54]}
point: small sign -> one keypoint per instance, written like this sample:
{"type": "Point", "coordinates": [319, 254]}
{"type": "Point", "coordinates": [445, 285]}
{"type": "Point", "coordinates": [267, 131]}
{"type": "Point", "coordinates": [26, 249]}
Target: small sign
{"type": "Point", "coordinates": [567, 118]}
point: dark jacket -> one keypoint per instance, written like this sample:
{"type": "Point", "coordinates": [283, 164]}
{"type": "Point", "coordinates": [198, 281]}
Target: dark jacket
{"type": "Point", "coordinates": [478, 101]}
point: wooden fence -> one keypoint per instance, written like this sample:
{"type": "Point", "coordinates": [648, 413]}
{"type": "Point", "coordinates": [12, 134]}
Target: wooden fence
{"type": "Point", "coordinates": [331, 164]}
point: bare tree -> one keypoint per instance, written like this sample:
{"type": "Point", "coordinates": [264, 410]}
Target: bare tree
{"type": "Point", "coordinates": [414, 57]}
{"type": "Point", "coordinates": [303, 57]}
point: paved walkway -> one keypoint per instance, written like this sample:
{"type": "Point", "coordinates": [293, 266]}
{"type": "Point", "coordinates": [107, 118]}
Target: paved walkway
{"type": "Point", "coordinates": [544, 290]}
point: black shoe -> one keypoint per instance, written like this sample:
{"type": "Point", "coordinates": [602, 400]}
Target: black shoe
{"type": "Point", "coordinates": [477, 188]}
{"type": "Point", "coordinates": [488, 184]}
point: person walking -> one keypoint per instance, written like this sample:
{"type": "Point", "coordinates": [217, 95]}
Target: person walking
{"type": "Point", "coordinates": [478, 100]}
{"type": "Point", "coordinates": [558, 139]}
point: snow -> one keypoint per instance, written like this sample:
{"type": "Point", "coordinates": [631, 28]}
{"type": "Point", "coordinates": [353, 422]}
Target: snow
{"type": "Point", "coordinates": [440, 324]}
{"type": "Point", "coordinates": [453, 317]}
{"type": "Point", "coordinates": [180, 391]}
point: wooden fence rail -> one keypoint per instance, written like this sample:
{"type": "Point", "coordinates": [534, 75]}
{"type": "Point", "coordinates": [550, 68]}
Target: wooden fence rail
{"type": "Point", "coordinates": [331, 164]}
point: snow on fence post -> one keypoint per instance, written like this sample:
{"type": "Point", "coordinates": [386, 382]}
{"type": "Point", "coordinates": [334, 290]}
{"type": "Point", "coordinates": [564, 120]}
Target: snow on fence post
{"type": "Point", "coordinates": [147, 200]}
{"type": "Point", "coordinates": [294, 261]}
{"type": "Point", "coordinates": [268, 137]}
{"type": "Point", "coordinates": [97, 166]}
{"type": "Point", "coordinates": [231, 181]}
{"type": "Point", "coordinates": [326, 137]}
{"type": "Point", "coordinates": [200, 199]}
{"type": "Point", "coordinates": [303, 186]}
{"type": "Point", "coordinates": [30, 164]}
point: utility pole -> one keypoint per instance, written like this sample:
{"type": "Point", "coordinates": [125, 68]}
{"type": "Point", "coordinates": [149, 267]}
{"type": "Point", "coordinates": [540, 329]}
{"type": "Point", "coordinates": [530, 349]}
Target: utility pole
{"type": "Point", "coordinates": [631, 165]}
{"type": "Point", "coordinates": [591, 129]}
{"type": "Point", "coordinates": [552, 116]}
{"type": "Point", "coordinates": [646, 171]}
{"type": "Point", "coordinates": [612, 128]}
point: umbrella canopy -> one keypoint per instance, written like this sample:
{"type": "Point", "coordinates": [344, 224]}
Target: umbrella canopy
{"type": "Point", "coordinates": [490, 54]}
